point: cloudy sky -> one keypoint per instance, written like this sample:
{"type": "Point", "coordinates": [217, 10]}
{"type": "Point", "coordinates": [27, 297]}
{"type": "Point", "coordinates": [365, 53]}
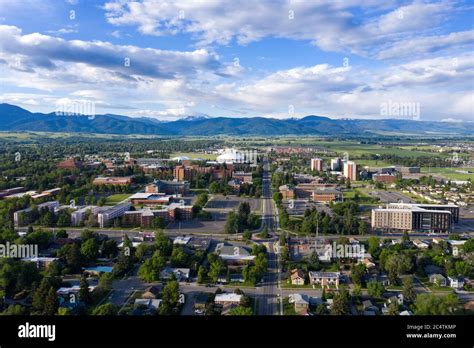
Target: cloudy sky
{"type": "Point", "coordinates": [272, 58]}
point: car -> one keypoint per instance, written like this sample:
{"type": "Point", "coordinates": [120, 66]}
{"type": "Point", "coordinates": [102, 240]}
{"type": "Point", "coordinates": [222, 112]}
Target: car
{"type": "Point", "coordinates": [199, 311]}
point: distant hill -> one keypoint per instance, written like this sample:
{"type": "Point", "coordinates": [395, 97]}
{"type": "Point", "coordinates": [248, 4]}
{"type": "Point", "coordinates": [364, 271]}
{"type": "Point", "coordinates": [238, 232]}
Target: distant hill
{"type": "Point", "coordinates": [14, 118]}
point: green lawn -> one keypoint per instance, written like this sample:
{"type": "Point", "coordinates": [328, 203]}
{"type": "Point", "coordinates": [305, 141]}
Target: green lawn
{"type": "Point", "coordinates": [449, 173]}
{"type": "Point", "coordinates": [117, 198]}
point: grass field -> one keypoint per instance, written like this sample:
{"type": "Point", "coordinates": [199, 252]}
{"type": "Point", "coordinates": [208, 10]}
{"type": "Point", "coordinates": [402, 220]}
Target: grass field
{"type": "Point", "coordinates": [449, 173]}
{"type": "Point", "coordinates": [356, 149]}
{"type": "Point", "coordinates": [117, 198]}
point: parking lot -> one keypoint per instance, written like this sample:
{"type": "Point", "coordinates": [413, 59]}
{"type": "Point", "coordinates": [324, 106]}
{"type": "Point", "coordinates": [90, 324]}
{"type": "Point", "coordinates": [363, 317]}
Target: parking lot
{"type": "Point", "coordinates": [216, 225]}
{"type": "Point", "coordinates": [391, 197]}
{"type": "Point", "coordinates": [299, 206]}
{"type": "Point", "coordinates": [230, 203]}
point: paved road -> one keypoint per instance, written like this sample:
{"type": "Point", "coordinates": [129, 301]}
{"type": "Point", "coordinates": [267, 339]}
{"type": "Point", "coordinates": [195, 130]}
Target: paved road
{"type": "Point", "coordinates": [268, 299]}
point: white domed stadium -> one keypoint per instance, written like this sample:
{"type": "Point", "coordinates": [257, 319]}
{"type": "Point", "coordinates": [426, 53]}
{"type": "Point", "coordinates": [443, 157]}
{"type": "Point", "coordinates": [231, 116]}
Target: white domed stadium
{"type": "Point", "coordinates": [231, 156]}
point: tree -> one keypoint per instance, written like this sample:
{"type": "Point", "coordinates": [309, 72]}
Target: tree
{"type": "Point", "coordinates": [105, 281]}
{"type": "Point", "coordinates": [313, 261]}
{"type": "Point", "coordinates": [375, 289]}
{"type": "Point", "coordinates": [84, 294]}
{"type": "Point", "coordinates": [72, 254]}
{"type": "Point", "coordinates": [232, 223]}
{"type": "Point", "coordinates": [105, 309]}
{"type": "Point", "coordinates": [247, 235]}
{"type": "Point", "coordinates": [277, 197]}
{"type": "Point", "coordinates": [159, 222]}
{"type": "Point", "coordinates": [40, 294]}
{"type": "Point", "coordinates": [51, 304]}
{"type": "Point", "coordinates": [90, 249]}
{"type": "Point", "coordinates": [109, 248]}
{"type": "Point", "coordinates": [409, 292]}
{"type": "Point", "coordinates": [357, 273]}
{"type": "Point", "coordinates": [150, 270]}
{"type": "Point", "coordinates": [429, 304]}
{"type": "Point", "coordinates": [264, 233]}
{"type": "Point", "coordinates": [62, 311]}
{"type": "Point", "coordinates": [397, 264]}
{"type": "Point", "coordinates": [468, 246]}
{"type": "Point", "coordinates": [179, 258]}
{"type": "Point", "coordinates": [201, 274]}
{"type": "Point", "coordinates": [374, 246]}
{"type": "Point", "coordinates": [393, 309]}
{"type": "Point", "coordinates": [340, 305]}
{"type": "Point", "coordinates": [357, 291]}
{"type": "Point", "coordinates": [170, 298]}
{"type": "Point", "coordinates": [217, 267]}
{"type": "Point", "coordinates": [163, 244]}
{"type": "Point", "coordinates": [15, 310]}
{"type": "Point", "coordinates": [241, 310]}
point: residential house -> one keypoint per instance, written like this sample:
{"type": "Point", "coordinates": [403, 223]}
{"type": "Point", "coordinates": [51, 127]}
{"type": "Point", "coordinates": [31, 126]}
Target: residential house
{"type": "Point", "coordinates": [227, 298]}
{"type": "Point", "coordinates": [324, 278]}
{"type": "Point", "coordinates": [300, 301]}
{"type": "Point", "coordinates": [149, 303]}
{"type": "Point", "coordinates": [421, 244]}
{"type": "Point", "coordinates": [437, 279]}
{"type": "Point", "coordinates": [181, 274]}
{"type": "Point", "coordinates": [455, 282]}
{"type": "Point", "coordinates": [151, 292]}
{"type": "Point", "coordinates": [297, 277]}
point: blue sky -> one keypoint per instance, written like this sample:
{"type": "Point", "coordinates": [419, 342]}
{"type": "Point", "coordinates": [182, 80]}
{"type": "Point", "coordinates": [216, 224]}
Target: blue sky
{"type": "Point", "coordinates": [284, 58]}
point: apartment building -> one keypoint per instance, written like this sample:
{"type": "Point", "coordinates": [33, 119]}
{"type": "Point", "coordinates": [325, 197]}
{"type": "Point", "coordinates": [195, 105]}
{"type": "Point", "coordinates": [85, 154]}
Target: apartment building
{"type": "Point", "coordinates": [23, 217]}
{"type": "Point", "coordinates": [350, 170]}
{"type": "Point", "coordinates": [104, 218]}
{"type": "Point", "coordinates": [415, 217]}
{"type": "Point", "coordinates": [78, 216]}
{"type": "Point", "coordinates": [316, 164]}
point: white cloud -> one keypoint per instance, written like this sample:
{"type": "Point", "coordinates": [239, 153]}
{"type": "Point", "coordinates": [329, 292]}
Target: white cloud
{"type": "Point", "coordinates": [427, 45]}
{"type": "Point", "coordinates": [331, 25]}
{"type": "Point", "coordinates": [130, 62]}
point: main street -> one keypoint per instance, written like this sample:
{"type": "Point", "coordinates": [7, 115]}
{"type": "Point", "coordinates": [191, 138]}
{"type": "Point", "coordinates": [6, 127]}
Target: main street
{"type": "Point", "coordinates": [268, 299]}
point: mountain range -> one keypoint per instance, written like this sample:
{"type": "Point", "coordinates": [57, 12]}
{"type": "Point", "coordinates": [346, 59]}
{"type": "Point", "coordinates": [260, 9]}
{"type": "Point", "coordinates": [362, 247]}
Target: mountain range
{"type": "Point", "coordinates": [15, 118]}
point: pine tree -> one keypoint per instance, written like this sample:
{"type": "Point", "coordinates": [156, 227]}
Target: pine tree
{"type": "Point", "coordinates": [84, 294]}
{"type": "Point", "coordinates": [51, 304]}
{"type": "Point", "coordinates": [40, 294]}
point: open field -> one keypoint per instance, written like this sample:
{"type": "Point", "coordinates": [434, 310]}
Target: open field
{"type": "Point", "coordinates": [354, 148]}
{"type": "Point", "coordinates": [117, 198]}
{"type": "Point", "coordinates": [449, 173]}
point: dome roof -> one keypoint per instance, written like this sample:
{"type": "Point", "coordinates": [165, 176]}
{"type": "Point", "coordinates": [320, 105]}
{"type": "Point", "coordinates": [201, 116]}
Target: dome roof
{"type": "Point", "coordinates": [231, 156]}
